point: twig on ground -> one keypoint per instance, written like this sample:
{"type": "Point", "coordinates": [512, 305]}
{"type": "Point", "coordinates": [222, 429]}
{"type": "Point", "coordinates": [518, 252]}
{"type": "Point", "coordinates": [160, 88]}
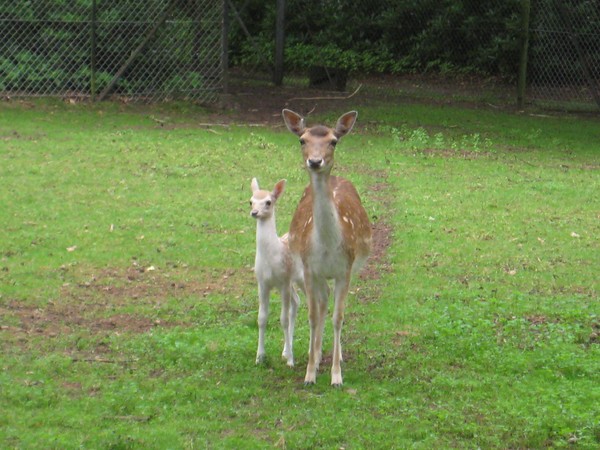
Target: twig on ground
{"type": "Point", "coordinates": [134, 418]}
{"type": "Point", "coordinates": [103, 360]}
{"type": "Point", "coordinates": [328, 98]}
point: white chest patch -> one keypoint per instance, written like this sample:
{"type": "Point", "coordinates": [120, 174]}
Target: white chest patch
{"type": "Point", "coordinates": [327, 258]}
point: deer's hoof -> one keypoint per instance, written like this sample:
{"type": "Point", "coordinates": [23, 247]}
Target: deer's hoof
{"type": "Point", "coordinates": [336, 380]}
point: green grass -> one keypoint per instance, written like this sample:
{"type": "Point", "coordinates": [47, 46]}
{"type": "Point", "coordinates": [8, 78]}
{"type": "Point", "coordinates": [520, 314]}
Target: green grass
{"type": "Point", "coordinates": [128, 305]}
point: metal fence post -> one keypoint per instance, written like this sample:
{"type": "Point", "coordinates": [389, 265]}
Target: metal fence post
{"type": "Point", "coordinates": [225, 47]}
{"type": "Point", "coordinates": [279, 42]}
{"type": "Point", "coordinates": [522, 81]}
{"type": "Point", "coordinates": [93, 19]}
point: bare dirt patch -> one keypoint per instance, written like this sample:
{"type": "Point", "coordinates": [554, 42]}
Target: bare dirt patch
{"type": "Point", "coordinates": [96, 305]}
{"type": "Point", "coordinates": [377, 263]}
{"type": "Point", "coordinates": [382, 233]}
{"type": "Point", "coordinates": [258, 101]}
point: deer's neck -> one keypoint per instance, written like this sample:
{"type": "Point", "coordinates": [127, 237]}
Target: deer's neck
{"type": "Point", "coordinates": [266, 235]}
{"type": "Point", "coordinates": [327, 231]}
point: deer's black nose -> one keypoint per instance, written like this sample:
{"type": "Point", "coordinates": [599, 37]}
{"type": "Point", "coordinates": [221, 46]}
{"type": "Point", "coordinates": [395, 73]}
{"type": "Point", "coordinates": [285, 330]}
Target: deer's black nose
{"type": "Point", "coordinates": [315, 163]}
{"type": "Point", "coordinates": [254, 213]}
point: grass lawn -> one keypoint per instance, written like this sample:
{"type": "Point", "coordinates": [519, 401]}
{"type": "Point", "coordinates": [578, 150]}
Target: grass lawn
{"type": "Point", "coordinates": [128, 304]}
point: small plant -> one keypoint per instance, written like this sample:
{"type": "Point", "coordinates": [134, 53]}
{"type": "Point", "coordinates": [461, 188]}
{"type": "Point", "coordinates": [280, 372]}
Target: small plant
{"type": "Point", "coordinates": [256, 141]}
{"type": "Point", "coordinates": [439, 141]}
{"type": "Point", "coordinates": [419, 139]}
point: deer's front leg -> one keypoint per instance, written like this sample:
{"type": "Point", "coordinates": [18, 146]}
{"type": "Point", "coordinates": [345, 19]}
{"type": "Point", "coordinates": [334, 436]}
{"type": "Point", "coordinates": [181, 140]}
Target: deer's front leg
{"type": "Point", "coordinates": [263, 314]}
{"type": "Point", "coordinates": [313, 322]}
{"type": "Point", "coordinates": [316, 293]}
{"type": "Point", "coordinates": [323, 303]}
{"type": "Point", "coordinates": [340, 294]}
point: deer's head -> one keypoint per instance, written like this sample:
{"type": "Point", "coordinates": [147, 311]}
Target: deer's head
{"type": "Point", "coordinates": [318, 142]}
{"type": "Point", "coordinates": [263, 202]}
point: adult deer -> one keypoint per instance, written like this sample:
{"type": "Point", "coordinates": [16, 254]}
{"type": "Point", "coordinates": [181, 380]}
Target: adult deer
{"type": "Point", "coordinates": [330, 233]}
{"type": "Point", "coordinates": [274, 268]}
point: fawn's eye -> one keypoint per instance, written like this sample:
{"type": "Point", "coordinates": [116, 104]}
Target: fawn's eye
{"type": "Point", "coordinates": [250, 202]}
{"type": "Point", "coordinates": [302, 142]}
{"type": "Point", "coordinates": [268, 202]}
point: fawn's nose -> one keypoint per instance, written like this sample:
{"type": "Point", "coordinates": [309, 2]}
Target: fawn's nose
{"type": "Point", "coordinates": [315, 163]}
{"type": "Point", "coordinates": [254, 213]}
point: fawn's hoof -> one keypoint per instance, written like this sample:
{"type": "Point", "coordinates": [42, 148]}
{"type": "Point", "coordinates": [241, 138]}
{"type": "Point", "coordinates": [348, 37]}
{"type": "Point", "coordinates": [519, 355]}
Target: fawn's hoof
{"type": "Point", "coordinates": [288, 358]}
{"type": "Point", "coordinates": [260, 359]}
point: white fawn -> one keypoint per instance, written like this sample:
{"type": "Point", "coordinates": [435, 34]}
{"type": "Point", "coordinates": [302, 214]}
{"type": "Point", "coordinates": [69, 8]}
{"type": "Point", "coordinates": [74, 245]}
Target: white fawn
{"type": "Point", "coordinates": [330, 235]}
{"type": "Point", "coordinates": [274, 268]}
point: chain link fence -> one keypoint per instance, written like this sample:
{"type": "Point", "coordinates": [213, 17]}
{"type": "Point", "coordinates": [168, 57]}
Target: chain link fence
{"type": "Point", "coordinates": [166, 49]}
{"type": "Point", "coordinates": [565, 51]}
{"type": "Point", "coordinates": [474, 46]}
{"type": "Point", "coordinates": [136, 49]}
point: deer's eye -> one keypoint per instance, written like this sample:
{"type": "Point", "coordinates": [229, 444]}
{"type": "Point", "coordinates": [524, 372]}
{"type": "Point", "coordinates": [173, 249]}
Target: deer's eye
{"type": "Point", "coordinates": [302, 142]}
{"type": "Point", "coordinates": [268, 202]}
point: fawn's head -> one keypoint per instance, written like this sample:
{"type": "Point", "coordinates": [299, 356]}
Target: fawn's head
{"type": "Point", "coordinates": [318, 142]}
{"type": "Point", "coordinates": [263, 202]}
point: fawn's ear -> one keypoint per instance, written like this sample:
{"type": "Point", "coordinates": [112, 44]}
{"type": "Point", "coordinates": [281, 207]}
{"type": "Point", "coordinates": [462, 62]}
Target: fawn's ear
{"type": "Point", "coordinates": [254, 185]}
{"type": "Point", "coordinates": [293, 121]}
{"type": "Point", "coordinates": [278, 189]}
{"type": "Point", "coordinates": [345, 124]}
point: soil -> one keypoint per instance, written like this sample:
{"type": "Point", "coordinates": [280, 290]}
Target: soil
{"type": "Point", "coordinates": [260, 102]}
{"type": "Point", "coordinates": [97, 305]}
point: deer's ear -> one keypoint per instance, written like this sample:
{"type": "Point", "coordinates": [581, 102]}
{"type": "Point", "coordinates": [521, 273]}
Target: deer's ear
{"type": "Point", "coordinates": [345, 124]}
{"type": "Point", "coordinates": [293, 121]}
{"type": "Point", "coordinates": [278, 189]}
{"type": "Point", "coordinates": [254, 185]}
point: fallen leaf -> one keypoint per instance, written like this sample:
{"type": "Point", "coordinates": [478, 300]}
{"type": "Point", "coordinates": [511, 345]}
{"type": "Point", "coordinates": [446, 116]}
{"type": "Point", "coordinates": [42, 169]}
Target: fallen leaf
{"type": "Point", "coordinates": [574, 235]}
{"type": "Point", "coordinates": [71, 249]}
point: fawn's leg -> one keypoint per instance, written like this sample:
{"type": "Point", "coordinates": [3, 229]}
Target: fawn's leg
{"type": "Point", "coordinates": [263, 314]}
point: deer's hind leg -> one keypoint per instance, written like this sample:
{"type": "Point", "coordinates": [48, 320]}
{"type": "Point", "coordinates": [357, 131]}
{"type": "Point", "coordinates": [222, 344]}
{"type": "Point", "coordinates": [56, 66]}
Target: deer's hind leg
{"type": "Point", "coordinates": [287, 318]}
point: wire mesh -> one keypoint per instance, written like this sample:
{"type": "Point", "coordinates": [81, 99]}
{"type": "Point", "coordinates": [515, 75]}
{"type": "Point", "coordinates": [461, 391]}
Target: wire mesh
{"type": "Point", "coordinates": [565, 57]}
{"type": "Point", "coordinates": [137, 49]}
{"type": "Point", "coordinates": [428, 43]}
{"type": "Point", "coordinates": [163, 49]}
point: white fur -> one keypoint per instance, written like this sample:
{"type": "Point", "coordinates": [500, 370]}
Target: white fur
{"type": "Point", "coordinates": [274, 268]}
